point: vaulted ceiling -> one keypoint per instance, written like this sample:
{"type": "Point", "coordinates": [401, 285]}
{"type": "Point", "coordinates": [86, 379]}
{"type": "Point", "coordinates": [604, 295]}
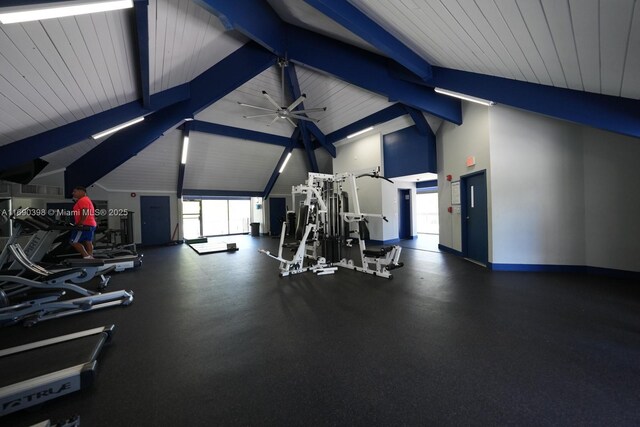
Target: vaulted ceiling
{"type": "Point", "coordinates": [367, 61]}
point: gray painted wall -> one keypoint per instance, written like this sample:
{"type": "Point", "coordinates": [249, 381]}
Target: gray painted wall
{"type": "Point", "coordinates": [612, 200]}
{"type": "Point", "coordinates": [454, 144]}
{"type": "Point", "coordinates": [537, 189]}
{"type": "Point", "coordinates": [559, 193]}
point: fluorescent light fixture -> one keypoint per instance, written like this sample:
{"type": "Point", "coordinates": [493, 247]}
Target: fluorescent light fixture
{"type": "Point", "coordinates": [38, 12]}
{"type": "Point", "coordinates": [465, 97]}
{"type": "Point", "coordinates": [285, 162]}
{"type": "Point", "coordinates": [360, 132]}
{"type": "Point", "coordinates": [117, 128]}
{"type": "Point", "coordinates": [185, 149]}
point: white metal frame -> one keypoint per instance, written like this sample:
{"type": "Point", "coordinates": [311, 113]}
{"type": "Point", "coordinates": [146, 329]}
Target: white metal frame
{"type": "Point", "coordinates": [377, 263]}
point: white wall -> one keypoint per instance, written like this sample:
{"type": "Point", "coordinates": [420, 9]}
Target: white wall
{"type": "Point", "coordinates": [391, 205]}
{"type": "Point", "coordinates": [612, 200]}
{"type": "Point", "coordinates": [558, 193]}
{"type": "Point", "coordinates": [453, 145]}
{"type": "Point", "coordinates": [537, 181]}
{"type": "Point", "coordinates": [365, 154]}
{"type": "Point", "coordinates": [121, 200]}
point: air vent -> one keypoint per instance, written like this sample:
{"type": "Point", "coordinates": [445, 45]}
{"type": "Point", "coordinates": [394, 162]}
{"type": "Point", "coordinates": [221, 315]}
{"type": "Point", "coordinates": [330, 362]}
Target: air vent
{"type": "Point", "coordinates": [29, 189]}
{"type": "Point", "coordinates": [53, 191]}
{"type": "Point", "coordinates": [40, 190]}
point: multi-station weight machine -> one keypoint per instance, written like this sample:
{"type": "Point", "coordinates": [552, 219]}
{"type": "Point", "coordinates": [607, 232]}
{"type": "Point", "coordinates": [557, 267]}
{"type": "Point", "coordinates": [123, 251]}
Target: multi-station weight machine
{"type": "Point", "coordinates": [329, 221]}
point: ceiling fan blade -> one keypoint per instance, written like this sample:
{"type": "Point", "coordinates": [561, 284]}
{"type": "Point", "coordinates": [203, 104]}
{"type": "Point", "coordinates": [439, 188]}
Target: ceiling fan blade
{"type": "Point", "coordinates": [309, 119]}
{"type": "Point", "coordinates": [273, 121]}
{"type": "Point", "coordinates": [297, 102]}
{"type": "Point", "coordinates": [291, 121]}
{"type": "Point", "coordinates": [310, 110]}
{"type": "Point", "coordinates": [261, 115]}
{"type": "Point", "coordinates": [255, 106]}
{"type": "Point", "coordinates": [270, 99]}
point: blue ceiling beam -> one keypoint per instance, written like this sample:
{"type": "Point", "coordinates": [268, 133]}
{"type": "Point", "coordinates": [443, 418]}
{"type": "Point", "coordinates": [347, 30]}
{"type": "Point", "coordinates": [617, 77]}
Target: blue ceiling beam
{"type": "Point", "coordinates": [229, 74]}
{"type": "Point", "coordinates": [612, 113]}
{"type": "Point", "coordinates": [258, 21]}
{"type": "Point", "coordinates": [121, 146]}
{"type": "Point", "coordinates": [351, 18]}
{"type": "Point", "coordinates": [142, 31]}
{"type": "Point", "coordinates": [192, 192]}
{"type": "Point", "coordinates": [418, 119]}
{"type": "Point", "coordinates": [321, 138]}
{"type": "Point", "coordinates": [225, 76]}
{"type": "Point", "coordinates": [294, 87]}
{"type": "Point", "coordinates": [233, 132]}
{"type": "Point", "coordinates": [368, 71]}
{"type": "Point", "coordinates": [253, 18]}
{"type": "Point", "coordinates": [382, 116]}
{"type": "Point", "coordinates": [182, 167]}
{"type": "Point", "coordinates": [306, 139]}
{"type": "Point", "coordinates": [276, 172]}
{"type": "Point", "coordinates": [44, 143]}
{"type": "Point", "coordinates": [181, 171]}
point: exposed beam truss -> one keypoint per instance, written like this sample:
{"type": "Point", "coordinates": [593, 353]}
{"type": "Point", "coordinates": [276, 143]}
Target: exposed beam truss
{"type": "Point", "coordinates": [361, 25]}
{"type": "Point", "coordinates": [233, 71]}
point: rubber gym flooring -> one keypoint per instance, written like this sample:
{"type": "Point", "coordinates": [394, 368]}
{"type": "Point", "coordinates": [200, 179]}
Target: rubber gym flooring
{"type": "Point", "coordinates": [221, 340]}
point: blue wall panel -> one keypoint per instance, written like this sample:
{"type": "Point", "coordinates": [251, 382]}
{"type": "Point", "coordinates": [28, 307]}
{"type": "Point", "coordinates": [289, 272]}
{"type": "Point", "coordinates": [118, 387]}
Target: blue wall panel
{"type": "Point", "coordinates": [407, 152]}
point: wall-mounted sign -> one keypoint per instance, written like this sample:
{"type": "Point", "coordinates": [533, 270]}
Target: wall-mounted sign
{"type": "Point", "coordinates": [455, 193]}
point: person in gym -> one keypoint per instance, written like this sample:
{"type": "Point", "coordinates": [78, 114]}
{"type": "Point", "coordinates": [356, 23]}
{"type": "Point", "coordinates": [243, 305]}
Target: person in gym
{"type": "Point", "coordinates": [84, 216]}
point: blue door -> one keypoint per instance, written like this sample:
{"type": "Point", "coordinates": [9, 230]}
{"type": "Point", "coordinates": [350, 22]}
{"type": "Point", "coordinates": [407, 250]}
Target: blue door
{"type": "Point", "coordinates": [277, 214]}
{"type": "Point", "coordinates": [404, 214]}
{"type": "Point", "coordinates": [475, 241]}
{"type": "Point", "coordinates": [155, 217]}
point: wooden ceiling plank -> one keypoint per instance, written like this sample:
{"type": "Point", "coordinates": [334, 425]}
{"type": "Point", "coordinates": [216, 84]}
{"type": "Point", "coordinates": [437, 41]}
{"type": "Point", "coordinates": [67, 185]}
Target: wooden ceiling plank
{"type": "Point", "coordinates": [558, 18]}
{"type": "Point", "coordinates": [29, 73]}
{"type": "Point", "coordinates": [97, 55]}
{"type": "Point", "coordinates": [631, 77]}
{"type": "Point", "coordinates": [485, 25]}
{"type": "Point", "coordinates": [615, 21]}
{"type": "Point", "coordinates": [538, 28]}
{"type": "Point", "coordinates": [81, 89]}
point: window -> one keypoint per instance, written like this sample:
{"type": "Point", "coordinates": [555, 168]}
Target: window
{"type": "Point", "coordinates": [239, 216]}
{"type": "Point", "coordinates": [428, 213]}
{"type": "Point", "coordinates": [191, 219]}
{"type": "Point", "coordinates": [215, 217]}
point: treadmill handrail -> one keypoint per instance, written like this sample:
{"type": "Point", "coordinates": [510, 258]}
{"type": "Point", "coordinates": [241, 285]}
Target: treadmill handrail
{"type": "Point", "coordinates": [56, 340]}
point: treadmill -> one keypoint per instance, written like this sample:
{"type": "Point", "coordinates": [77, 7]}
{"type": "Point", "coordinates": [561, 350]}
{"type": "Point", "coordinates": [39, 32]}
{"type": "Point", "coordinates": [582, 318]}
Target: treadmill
{"type": "Point", "coordinates": [40, 371]}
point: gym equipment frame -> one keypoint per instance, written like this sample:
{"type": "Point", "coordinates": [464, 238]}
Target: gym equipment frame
{"type": "Point", "coordinates": [50, 307]}
{"type": "Point", "coordinates": [70, 366]}
{"type": "Point", "coordinates": [325, 226]}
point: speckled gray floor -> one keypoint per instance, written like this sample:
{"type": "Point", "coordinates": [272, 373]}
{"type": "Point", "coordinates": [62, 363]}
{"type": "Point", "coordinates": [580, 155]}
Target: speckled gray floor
{"type": "Point", "coordinates": [220, 339]}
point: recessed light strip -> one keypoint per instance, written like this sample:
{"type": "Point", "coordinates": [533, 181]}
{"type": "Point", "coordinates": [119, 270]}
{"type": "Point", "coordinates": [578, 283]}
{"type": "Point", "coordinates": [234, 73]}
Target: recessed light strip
{"type": "Point", "coordinates": [38, 12]}
{"type": "Point", "coordinates": [360, 132]}
{"type": "Point", "coordinates": [285, 162]}
{"type": "Point", "coordinates": [185, 150]}
{"type": "Point", "coordinates": [465, 97]}
{"type": "Point", "coordinates": [117, 128]}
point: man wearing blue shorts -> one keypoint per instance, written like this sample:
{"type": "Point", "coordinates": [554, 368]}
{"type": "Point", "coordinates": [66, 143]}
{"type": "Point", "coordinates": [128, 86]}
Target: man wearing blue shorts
{"type": "Point", "coordinates": [85, 220]}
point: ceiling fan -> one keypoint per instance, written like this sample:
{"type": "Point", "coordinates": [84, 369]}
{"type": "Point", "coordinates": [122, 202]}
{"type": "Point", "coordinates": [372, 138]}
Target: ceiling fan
{"type": "Point", "coordinates": [285, 113]}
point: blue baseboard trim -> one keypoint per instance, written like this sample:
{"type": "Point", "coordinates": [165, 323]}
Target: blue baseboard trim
{"type": "Point", "coordinates": [383, 242]}
{"type": "Point", "coordinates": [448, 250]}
{"type": "Point", "coordinates": [566, 269]}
